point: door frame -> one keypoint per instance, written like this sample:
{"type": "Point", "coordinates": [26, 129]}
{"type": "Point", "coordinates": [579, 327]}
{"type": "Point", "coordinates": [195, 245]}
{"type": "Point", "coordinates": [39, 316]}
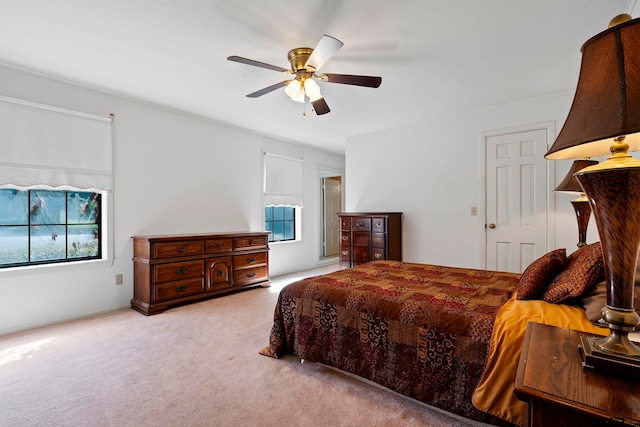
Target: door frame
{"type": "Point", "coordinates": [326, 172]}
{"type": "Point", "coordinates": [550, 128]}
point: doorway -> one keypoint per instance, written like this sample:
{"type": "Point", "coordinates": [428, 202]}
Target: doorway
{"type": "Point", "coordinates": [518, 197]}
{"type": "Point", "coordinates": [330, 206]}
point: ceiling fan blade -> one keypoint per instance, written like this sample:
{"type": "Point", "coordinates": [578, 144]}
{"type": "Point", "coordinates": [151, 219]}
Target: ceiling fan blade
{"type": "Point", "coordinates": [326, 48]}
{"type": "Point", "coordinates": [321, 107]}
{"type": "Point", "coordinates": [242, 60]}
{"type": "Point", "coordinates": [268, 89]}
{"type": "Point", "coordinates": [350, 79]}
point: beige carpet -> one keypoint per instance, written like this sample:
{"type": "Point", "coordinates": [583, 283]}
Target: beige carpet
{"type": "Point", "coordinates": [196, 365]}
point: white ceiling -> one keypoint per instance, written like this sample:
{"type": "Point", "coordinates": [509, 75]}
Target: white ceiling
{"type": "Point", "coordinates": [436, 57]}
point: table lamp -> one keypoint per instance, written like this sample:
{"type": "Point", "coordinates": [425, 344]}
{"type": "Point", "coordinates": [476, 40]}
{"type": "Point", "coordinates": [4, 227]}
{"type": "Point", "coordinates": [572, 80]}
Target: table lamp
{"type": "Point", "coordinates": [605, 117]}
{"type": "Point", "coordinates": [581, 204]}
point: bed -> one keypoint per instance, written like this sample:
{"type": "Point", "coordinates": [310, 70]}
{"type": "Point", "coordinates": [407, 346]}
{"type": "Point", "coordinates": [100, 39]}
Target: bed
{"type": "Point", "coordinates": [449, 337]}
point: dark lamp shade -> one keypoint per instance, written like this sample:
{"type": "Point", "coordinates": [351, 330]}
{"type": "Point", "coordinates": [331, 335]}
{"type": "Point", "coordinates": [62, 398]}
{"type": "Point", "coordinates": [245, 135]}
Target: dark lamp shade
{"type": "Point", "coordinates": [607, 100]}
{"type": "Point", "coordinates": [570, 184]}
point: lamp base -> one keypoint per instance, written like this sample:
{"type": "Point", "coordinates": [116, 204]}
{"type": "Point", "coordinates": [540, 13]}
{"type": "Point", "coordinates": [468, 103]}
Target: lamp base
{"type": "Point", "coordinates": [595, 358]}
{"type": "Point", "coordinates": [613, 190]}
{"type": "Point", "coordinates": [583, 212]}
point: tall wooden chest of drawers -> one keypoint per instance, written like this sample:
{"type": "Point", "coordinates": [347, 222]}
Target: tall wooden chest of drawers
{"type": "Point", "coordinates": [172, 270]}
{"type": "Point", "coordinates": [369, 236]}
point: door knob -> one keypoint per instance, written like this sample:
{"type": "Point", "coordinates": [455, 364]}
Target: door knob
{"type": "Point", "coordinates": [492, 225]}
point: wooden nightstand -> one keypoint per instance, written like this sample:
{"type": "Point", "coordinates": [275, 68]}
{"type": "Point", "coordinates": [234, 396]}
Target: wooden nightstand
{"type": "Point", "coordinates": [560, 392]}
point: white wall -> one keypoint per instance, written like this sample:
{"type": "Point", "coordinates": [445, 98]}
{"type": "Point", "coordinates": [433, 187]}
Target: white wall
{"type": "Point", "coordinates": [432, 171]}
{"type": "Point", "coordinates": [173, 173]}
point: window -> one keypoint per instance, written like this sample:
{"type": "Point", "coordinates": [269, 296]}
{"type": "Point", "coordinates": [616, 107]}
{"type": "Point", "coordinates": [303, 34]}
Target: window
{"type": "Point", "coordinates": [47, 226]}
{"type": "Point", "coordinates": [280, 222]}
{"type": "Point", "coordinates": [56, 181]}
{"type": "Point", "coordinates": [283, 197]}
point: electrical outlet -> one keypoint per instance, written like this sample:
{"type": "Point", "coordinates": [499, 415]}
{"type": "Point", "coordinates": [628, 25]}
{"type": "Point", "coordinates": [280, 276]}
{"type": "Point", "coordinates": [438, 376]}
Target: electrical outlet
{"type": "Point", "coordinates": [474, 211]}
{"type": "Point", "coordinates": [118, 279]}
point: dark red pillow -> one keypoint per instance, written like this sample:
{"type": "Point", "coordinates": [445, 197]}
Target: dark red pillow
{"type": "Point", "coordinates": [537, 276]}
{"type": "Point", "coordinates": [584, 269]}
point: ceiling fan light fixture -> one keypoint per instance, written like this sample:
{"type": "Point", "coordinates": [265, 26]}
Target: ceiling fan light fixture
{"type": "Point", "coordinates": [293, 89]}
{"type": "Point", "coordinates": [297, 90]}
{"type": "Point", "coordinates": [312, 90]}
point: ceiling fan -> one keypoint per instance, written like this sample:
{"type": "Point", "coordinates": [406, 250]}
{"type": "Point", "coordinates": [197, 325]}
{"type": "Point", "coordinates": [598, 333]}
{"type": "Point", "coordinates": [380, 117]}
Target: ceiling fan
{"type": "Point", "coordinates": [305, 63]}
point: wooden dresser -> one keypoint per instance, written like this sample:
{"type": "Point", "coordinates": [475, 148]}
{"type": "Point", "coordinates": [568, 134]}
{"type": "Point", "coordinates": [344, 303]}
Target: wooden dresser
{"type": "Point", "coordinates": [560, 392]}
{"type": "Point", "coordinates": [369, 236]}
{"type": "Point", "coordinates": [175, 269]}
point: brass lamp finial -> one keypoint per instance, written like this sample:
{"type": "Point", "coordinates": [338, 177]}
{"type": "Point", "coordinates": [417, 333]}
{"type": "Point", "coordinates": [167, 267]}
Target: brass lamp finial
{"type": "Point", "coordinates": [619, 19]}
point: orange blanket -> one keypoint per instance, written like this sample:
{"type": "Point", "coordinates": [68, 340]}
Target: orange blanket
{"type": "Point", "coordinates": [494, 392]}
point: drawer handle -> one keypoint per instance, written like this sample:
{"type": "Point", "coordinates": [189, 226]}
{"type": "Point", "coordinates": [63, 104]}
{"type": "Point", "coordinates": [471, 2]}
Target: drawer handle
{"type": "Point", "coordinates": [345, 238]}
{"type": "Point", "coordinates": [250, 275]}
{"type": "Point", "coordinates": [181, 288]}
{"type": "Point", "coordinates": [219, 245]}
{"type": "Point", "coordinates": [251, 242]}
{"type": "Point", "coordinates": [378, 256]}
{"type": "Point", "coordinates": [182, 270]}
{"type": "Point", "coordinates": [345, 252]}
{"type": "Point", "coordinates": [220, 273]}
{"type": "Point", "coordinates": [181, 249]}
{"type": "Point", "coordinates": [251, 260]}
{"type": "Point", "coordinates": [378, 240]}
{"type": "Point", "coordinates": [360, 223]}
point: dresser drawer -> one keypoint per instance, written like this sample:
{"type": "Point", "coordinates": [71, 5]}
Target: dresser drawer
{"type": "Point", "coordinates": [178, 289]}
{"type": "Point", "coordinates": [361, 254]}
{"type": "Point", "coordinates": [249, 260]}
{"type": "Point", "coordinates": [345, 223]}
{"type": "Point", "coordinates": [219, 245]}
{"type": "Point", "coordinates": [378, 240]}
{"type": "Point", "coordinates": [378, 224]}
{"type": "Point", "coordinates": [250, 275]}
{"type": "Point", "coordinates": [345, 238]}
{"type": "Point", "coordinates": [360, 224]}
{"type": "Point", "coordinates": [378, 254]}
{"type": "Point", "coordinates": [255, 242]}
{"type": "Point", "coordinates": [177, 271]}
{"type": "Point", "coordinates": [177, 249]}
{"type": "Point", "coordinates": [361, 238]}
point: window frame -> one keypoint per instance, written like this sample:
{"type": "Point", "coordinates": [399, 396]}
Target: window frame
{"type": "Point", "coordinates": [104, 243]}
{"type": "Point", "coordinates": [293, 221]}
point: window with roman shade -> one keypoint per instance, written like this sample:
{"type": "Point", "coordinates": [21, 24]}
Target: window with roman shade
{"type": "Point", "coordinates": [56, 177]}
{"type": "Point", "coordinates": [283, 180]}
{"type": "Point", "coordinates": [283, 196]}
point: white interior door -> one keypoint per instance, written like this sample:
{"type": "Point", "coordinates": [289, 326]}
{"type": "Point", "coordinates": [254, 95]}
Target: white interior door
{"type": "Point", "coordinates": [516, 199]}
{"type": "Point", "coordinates": [332, 205]}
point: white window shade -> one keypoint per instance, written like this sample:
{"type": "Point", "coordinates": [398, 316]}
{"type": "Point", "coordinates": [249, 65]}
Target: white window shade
{"type": "Point", "coordinates": [53, 147]}
{"type": "Point", "coordinates": [283, 180]}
